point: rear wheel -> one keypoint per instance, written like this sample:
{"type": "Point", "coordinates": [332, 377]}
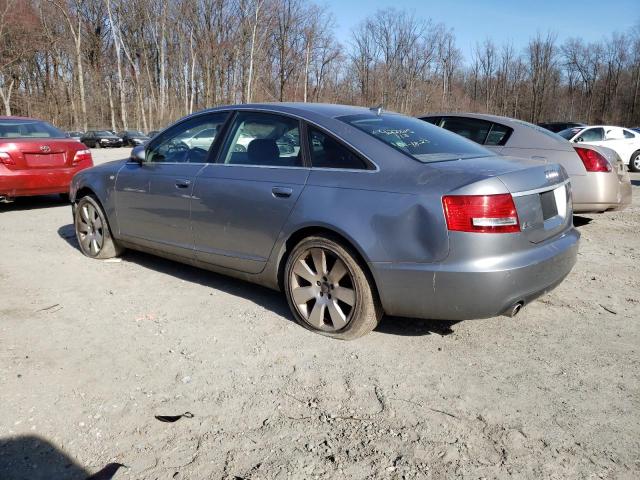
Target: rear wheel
{"type": "Point", "coordinates": [92, 230]}
{"type": "Point", "coordinates": [328, 290]}
{"type": "Point", "coordinates": [634, 163]}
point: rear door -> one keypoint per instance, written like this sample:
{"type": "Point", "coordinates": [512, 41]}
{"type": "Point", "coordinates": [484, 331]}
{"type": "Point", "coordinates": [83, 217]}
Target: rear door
{"type": "Point", "coordinates": [629, 144]}
{"type": "Point", "coordinates": [241, 202]}
{"type": "Point", "coordinates": [153, 199]}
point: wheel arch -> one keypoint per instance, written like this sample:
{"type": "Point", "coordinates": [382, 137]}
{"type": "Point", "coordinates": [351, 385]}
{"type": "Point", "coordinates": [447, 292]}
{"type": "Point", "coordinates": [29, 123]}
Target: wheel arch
{"type": "Point", "coordinates": [312, 230]}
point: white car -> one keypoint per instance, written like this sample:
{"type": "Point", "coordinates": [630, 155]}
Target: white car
{"type": "Point", "coordinates": [624, 141]}
{"type": "Point", "coordinates": [203, 139]}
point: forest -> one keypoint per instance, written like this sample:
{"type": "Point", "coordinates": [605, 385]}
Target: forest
{"type": "Point", "coordinates": [142, 64]}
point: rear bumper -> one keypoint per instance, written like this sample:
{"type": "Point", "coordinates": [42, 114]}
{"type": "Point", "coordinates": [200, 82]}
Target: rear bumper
{"type": "Point", "coordinates": [37, 181]}
{"type": "Point", "coordinates": [472, 289]}
{"type": "Point", "coordinates": [600, 191]}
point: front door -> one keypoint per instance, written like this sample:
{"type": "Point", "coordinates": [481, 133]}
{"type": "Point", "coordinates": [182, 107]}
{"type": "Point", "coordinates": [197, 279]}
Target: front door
{"type": "Point", "coordinates": [153, 198]}
{"type": "Point", "coordinates": [241, 202]}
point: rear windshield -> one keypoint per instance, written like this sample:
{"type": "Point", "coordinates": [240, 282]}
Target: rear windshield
{"type": "Point", "coordinates": [416, 138]}
{"type": "Point", "coordinates": [134, 133]}
{"type": "Point", "coordinates": [569, 133]}
{"type": "Point", "coordinates": [104, 133]}
{"type": "Point", "coordinates": [28, 129]}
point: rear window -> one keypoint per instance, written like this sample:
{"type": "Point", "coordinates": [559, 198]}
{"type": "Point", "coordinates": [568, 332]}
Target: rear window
{"type": "Point", "coordinates": [28, 129]}
{"type": "Point", "coordinates": [569, 133]}
{"type": "Point", "coordinates": [416, 138]}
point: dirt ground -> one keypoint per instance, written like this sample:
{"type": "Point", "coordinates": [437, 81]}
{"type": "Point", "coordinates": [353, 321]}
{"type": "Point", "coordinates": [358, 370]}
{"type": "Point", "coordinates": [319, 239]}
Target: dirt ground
{"type": "Point", "coordinates": [91, 351]}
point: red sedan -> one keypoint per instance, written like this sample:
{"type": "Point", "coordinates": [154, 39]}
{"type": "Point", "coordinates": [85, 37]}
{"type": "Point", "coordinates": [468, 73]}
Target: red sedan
{"type": "Point", "coordinates": [37, 158]}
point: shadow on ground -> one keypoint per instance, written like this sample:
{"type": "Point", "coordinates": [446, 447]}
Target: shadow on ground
{"type": "Point", "coordinates": [32, 203]}
{"type": "Point", "coordinates": [579, 221]}
{"type": "Point", "coordinates": [265, 297]}
{"type": "Point", "coordinates": [31, 457]}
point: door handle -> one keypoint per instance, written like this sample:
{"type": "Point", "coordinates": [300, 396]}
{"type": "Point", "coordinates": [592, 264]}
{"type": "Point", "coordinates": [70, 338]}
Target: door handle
{"type": "Point", "coordinates": [281, 192]}
{"type": "Point", "coordinates": [181, 183]}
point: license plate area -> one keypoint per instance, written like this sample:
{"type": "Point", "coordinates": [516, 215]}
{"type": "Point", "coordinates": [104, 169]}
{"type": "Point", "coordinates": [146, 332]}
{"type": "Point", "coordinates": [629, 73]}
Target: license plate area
{"type": "Point", "coordinates": [45, 160]}
{"type": "Point", "coordinates": [549, 205]}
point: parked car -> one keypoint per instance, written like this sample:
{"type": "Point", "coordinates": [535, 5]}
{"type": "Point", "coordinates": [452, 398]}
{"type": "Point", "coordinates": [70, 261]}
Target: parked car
{"type": "Point", "coordinates": [556, 127]}
{"type": "Point", "coordinates": [131, 138]}
{"type": "Point", "coordinates": [202, 139]}
{"type": "Point", "coordinates": [75, 135]}
{"type": "Point", "coordinates": [376, 213]}
{"type": "Point", "coordinates": [624, 141]}
{"type": "Point", "coordinates": [37, 159]}
{"type": "Point", "coordinates": [153, 133]}
{"type": "Point", "coordinates": [597, 185]}
{"type": "Point", "coordinates": [101, 139]}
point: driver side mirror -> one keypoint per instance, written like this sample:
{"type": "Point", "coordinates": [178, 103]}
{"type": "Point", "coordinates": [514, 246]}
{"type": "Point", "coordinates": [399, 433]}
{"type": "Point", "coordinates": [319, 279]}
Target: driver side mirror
{"type": "Point", "coordinates": [138, 154]}
{"type": "Point", "coordinates": [579, 139]}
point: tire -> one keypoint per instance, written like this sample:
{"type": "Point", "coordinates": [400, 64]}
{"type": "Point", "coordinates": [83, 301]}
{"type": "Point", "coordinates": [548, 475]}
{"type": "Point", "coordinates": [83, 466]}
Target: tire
{"type": "Point", "coordinates": [342, 302]}
{"type": "Point", "coordinates": [634, 161]}
{"type": "Point", "coordinates": [92, 230]}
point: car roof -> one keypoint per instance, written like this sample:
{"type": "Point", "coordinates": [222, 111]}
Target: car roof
{"type": "Point", "coordinates": [11, 117]}
{"type": "Point", "coordinates": [328, 110]}
{"type": "Point", "coordinates": [605, 126]}
{"type": "Point", "coordinates": [525, 134]}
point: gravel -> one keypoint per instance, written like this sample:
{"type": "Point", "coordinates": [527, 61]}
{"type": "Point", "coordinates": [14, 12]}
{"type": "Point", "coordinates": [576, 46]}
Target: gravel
{"type": "Point", "coordinates": [91, 351]}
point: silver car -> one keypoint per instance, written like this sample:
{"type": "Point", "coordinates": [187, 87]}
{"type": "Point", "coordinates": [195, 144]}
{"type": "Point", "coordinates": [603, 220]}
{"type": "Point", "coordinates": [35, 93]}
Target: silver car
{"type": "Point", "coordinates": [599, 181]}
{"type": "Point", "coordinates": [368, 213]}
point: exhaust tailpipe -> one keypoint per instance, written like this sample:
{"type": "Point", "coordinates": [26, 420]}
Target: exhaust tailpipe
{"type": "Point", "coordinates": [514, 310]}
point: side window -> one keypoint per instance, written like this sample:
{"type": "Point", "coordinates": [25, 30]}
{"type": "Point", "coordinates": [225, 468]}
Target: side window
{"type": "Point", "coordinates": [471, 128]}
{"type": "Point", "coordinates": [263, 139]}
{"type": "Point", "coordinates": [591, 135]}
{"type": "Point", "coordinates": [614, 134]}
{"type": "Point", "coordinates": [498, 135]}
{"type": "Point", "coordinates": [181, 144]}
{"type": "Point", "coordinates": [329, 153]}
{"type": "Point", "coordinates": [628, 134]}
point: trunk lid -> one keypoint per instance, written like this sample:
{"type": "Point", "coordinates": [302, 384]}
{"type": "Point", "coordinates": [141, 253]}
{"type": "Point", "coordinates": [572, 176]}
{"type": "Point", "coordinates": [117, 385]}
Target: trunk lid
{"type": "Point", "coordinates": [541, 191]}
{"type": "Point", "coordinates": [30, 153]}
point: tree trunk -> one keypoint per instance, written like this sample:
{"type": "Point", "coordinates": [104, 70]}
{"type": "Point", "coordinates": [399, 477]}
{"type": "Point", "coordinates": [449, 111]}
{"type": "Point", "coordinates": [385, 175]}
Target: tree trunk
{"type": "Point", "coordinates": [6, 98]}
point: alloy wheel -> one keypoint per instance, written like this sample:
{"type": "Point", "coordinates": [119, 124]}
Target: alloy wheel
{"type": "Point", "coordinates": [636, 162]}
{"type": "Point", "coordinates": [322, 289]}
{"type": "Point", "coordinates": [90, 229]}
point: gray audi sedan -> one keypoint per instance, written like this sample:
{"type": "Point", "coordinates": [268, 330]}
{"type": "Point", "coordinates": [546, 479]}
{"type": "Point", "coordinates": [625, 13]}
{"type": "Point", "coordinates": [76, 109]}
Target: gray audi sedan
{"type": "Point", "coordinates": [352, 212]}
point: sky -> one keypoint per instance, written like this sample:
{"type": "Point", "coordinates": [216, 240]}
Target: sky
{"type": "Point", "coordinates": [503, 21]}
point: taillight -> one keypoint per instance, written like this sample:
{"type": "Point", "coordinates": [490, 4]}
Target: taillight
{"type": "Point", "coordinates": [481, 213]}
{"type": "Point", "coordinates": [81, 156]}
{"type": "Point", "coordinates": [592, 160]}
{"type": "Point", "coordinates": [6, 159]}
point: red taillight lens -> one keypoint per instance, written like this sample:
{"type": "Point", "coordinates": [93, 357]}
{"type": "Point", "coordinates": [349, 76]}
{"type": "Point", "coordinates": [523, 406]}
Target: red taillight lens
{"type": "Point", "coordinates": [6, 159]}
{"type": "Point", "coordinates": [81, 156]}
{"type": "Point", "coordinates": [593, 161]}
{"type": "Point", "coordinates": [481, 213]}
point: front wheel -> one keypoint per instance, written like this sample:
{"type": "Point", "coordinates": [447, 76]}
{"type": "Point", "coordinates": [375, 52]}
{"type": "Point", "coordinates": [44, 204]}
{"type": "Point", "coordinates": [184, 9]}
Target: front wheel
{"type": "Point", "coordinates": [329, 291]}
{"type": "Point", "coordinates": [634, 163]}
{"type": "Point", "coordinates": [92, 230]}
